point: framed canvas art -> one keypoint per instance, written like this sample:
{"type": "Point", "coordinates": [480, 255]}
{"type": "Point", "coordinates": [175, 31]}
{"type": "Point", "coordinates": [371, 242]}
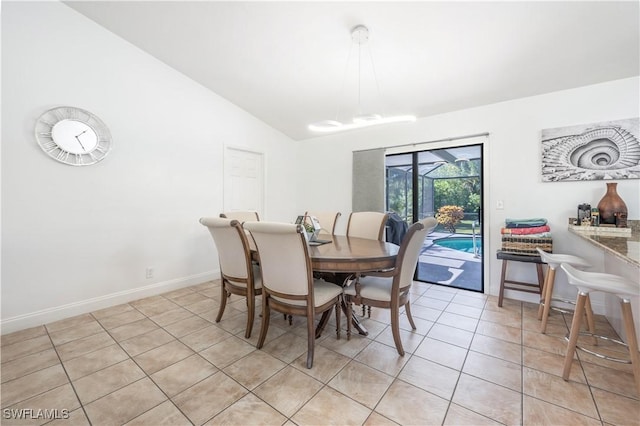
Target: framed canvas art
{"type": "Point", "coordinates": [599, 151]}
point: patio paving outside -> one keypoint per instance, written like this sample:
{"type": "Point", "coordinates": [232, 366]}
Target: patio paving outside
{"type": "Point", "coordinates": [449, 267]}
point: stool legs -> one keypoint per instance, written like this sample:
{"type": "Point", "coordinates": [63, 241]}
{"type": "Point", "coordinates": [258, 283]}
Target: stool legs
{"type": "Point", "coordinates": [544, 310]}
{"type": "Point", "coordinates": [543, 295]}
{"type": "Point", "coordinates": [632, 340]}
{"type": "Point", "coordinates": [591, 324]}
{"type": "Point", "coordinates": [627, 316]}
{"type": "Point", "coordinates": [574, 334]}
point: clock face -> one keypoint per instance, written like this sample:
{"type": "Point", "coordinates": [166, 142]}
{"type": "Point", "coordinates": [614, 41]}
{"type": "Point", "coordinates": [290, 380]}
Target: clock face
{"type": "Point", "coordinates": [73, 136]}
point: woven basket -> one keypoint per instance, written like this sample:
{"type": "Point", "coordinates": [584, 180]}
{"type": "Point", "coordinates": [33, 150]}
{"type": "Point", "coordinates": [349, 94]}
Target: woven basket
{"type": "Point", "coordinates": [524, 245]}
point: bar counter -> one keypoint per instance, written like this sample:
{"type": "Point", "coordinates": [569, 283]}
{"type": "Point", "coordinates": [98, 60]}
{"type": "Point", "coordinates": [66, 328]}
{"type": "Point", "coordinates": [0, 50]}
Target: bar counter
{"type": "Point", "coordinates": [626, 248]}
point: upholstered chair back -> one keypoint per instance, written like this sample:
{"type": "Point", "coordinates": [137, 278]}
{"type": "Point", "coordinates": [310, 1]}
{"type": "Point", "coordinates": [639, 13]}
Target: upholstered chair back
{"type": "Point", "coordinates": [411, 247]}
{"type": "Point", "coordinates": [284, 257]}
{"type": "Point", "coordinates": [232, 246]}
{"type": "Point", "coordinates": [376, 290]}
{"type": "Point", "coordinates": [368, 225]}
{"type": "Point", "coordinates": [242, 216]}
{"type": "Point", "coordinates": [328, 220]}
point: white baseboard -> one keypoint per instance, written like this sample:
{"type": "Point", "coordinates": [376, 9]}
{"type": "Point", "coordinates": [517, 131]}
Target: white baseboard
{"type": "Point", "coordinates": [57, 313]}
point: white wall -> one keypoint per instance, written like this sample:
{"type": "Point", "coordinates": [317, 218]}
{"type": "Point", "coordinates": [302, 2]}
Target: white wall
{"type": "Point", "coordinates": [512, 165]}
{"type": "Point", "coordinates": [78, 238]}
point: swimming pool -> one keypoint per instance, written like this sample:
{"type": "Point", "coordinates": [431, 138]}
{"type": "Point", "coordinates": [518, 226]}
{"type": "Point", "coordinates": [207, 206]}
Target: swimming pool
{"type": "Point", "coordinates": [460, 243]}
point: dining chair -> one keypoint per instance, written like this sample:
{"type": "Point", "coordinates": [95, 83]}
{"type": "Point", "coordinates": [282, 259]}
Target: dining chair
{"type": "Point", "coordinates": [240, 276]}
{"type": "Point", "coordinates": [288, 285]}
{"type": "Point", "coordinates": [242, 216]}
{"type": "Point", "coordinates": [369, 225]}
{"type": "Point", "coordinates": [328, 220]}
{"type": "Point", "coordinates": [392, 291]}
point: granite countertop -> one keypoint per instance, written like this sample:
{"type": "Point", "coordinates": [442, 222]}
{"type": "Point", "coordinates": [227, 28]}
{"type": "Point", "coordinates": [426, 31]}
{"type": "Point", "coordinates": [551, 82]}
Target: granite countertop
{"type": "Point", "coordinates": [626, 248]}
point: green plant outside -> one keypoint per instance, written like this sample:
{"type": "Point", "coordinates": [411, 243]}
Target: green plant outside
{"type": "Point", "coordinates": [453, 184]}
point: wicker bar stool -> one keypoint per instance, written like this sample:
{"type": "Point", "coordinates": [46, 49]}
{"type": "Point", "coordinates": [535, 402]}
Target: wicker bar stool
{"type": "Point", "coordinates": [553, 262]}
{"type": "Point", "coordinates": [607, 283]}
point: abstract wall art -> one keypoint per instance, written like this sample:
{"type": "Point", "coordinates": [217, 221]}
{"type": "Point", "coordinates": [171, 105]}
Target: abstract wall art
{"type": "Point", "coordinates": [599, 151]}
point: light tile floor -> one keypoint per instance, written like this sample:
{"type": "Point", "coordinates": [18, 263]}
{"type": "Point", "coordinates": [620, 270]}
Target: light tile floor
{"type": "Point", "coordinates": [163, 360]}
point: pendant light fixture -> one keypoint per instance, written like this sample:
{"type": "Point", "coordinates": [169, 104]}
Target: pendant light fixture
{"type": "Point", "coordinates": [360, 37]}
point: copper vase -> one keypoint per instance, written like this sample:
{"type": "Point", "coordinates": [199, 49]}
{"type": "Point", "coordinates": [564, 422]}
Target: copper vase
{"type": "Point", "coordinates": [610, 204]}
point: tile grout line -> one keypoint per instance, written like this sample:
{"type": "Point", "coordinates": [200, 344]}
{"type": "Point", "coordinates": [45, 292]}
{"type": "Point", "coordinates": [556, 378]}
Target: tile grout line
{"type": "Point", "coordinates": [145, 372]}
{"type": "Point", "coordinates": [453, 391]}
{"type": "Point", "coordinates": [461, 371]}
{"type": "Point", "coordinates": [586, 378]}
{"type": "Point", "coordinates": [146, 375]}
{"type": "Point", "coordinates": [67, 374]}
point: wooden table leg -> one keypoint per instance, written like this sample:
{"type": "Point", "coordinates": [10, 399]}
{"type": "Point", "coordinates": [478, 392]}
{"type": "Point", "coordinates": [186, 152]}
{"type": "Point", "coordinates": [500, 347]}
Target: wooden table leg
{"type": "Point", "coordinates": [502, 278]}
{"type": "Point", "coordinates": [355, 321]}
{"type": "Point", "coordinates": [324, 319]}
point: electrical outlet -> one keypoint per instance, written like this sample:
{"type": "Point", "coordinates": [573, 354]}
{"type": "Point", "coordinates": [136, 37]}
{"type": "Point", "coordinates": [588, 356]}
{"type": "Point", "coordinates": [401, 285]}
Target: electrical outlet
{"type": "Point", "coordinates": [499, 205]}
{"type": "Point", "coordinates": [149, 272]}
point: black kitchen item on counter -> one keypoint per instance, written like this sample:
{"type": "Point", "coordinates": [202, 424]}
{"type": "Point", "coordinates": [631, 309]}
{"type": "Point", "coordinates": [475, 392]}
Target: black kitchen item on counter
{"type": "Point", "coordinates": [584, 212]}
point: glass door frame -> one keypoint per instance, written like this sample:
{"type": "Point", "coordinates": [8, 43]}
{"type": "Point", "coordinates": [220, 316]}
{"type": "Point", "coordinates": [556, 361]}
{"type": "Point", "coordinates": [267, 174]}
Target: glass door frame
{"type": "Point", "coordinates": [416, 195]}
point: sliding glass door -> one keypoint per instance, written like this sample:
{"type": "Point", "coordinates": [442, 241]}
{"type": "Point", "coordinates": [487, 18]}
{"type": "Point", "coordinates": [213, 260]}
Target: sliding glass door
{"type": "Point", "coordinates": [445, 183]}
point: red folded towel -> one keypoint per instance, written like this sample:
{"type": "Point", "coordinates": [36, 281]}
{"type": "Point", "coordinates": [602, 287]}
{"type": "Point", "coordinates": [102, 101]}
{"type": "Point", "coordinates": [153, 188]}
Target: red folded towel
{"type": "Point", "coordinates": [525, 231]}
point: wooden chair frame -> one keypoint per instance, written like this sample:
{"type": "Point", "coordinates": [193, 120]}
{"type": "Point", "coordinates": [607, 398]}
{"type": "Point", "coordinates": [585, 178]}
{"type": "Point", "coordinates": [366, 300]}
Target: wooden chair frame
{"type": "Point", "coordinates": [227, 286]}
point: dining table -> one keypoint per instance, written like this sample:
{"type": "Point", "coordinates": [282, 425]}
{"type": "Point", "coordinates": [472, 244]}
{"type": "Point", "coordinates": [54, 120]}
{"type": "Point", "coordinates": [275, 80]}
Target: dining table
{"type": "Point", "coordinates": [348, 258]}
{"type": "Point", "coordinates": [351, 254]}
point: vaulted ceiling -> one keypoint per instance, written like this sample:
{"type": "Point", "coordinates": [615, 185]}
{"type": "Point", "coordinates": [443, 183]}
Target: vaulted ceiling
{"type": "Point", "coordinates": [285, 62]}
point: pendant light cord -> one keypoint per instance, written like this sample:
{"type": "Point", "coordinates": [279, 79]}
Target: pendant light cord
{"type": "Point", "coordinates": [375, 79]}
{"type": "Point", "coordinates": [344, 79]}
{"type": "Point", "coordinates": [359, 76]}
